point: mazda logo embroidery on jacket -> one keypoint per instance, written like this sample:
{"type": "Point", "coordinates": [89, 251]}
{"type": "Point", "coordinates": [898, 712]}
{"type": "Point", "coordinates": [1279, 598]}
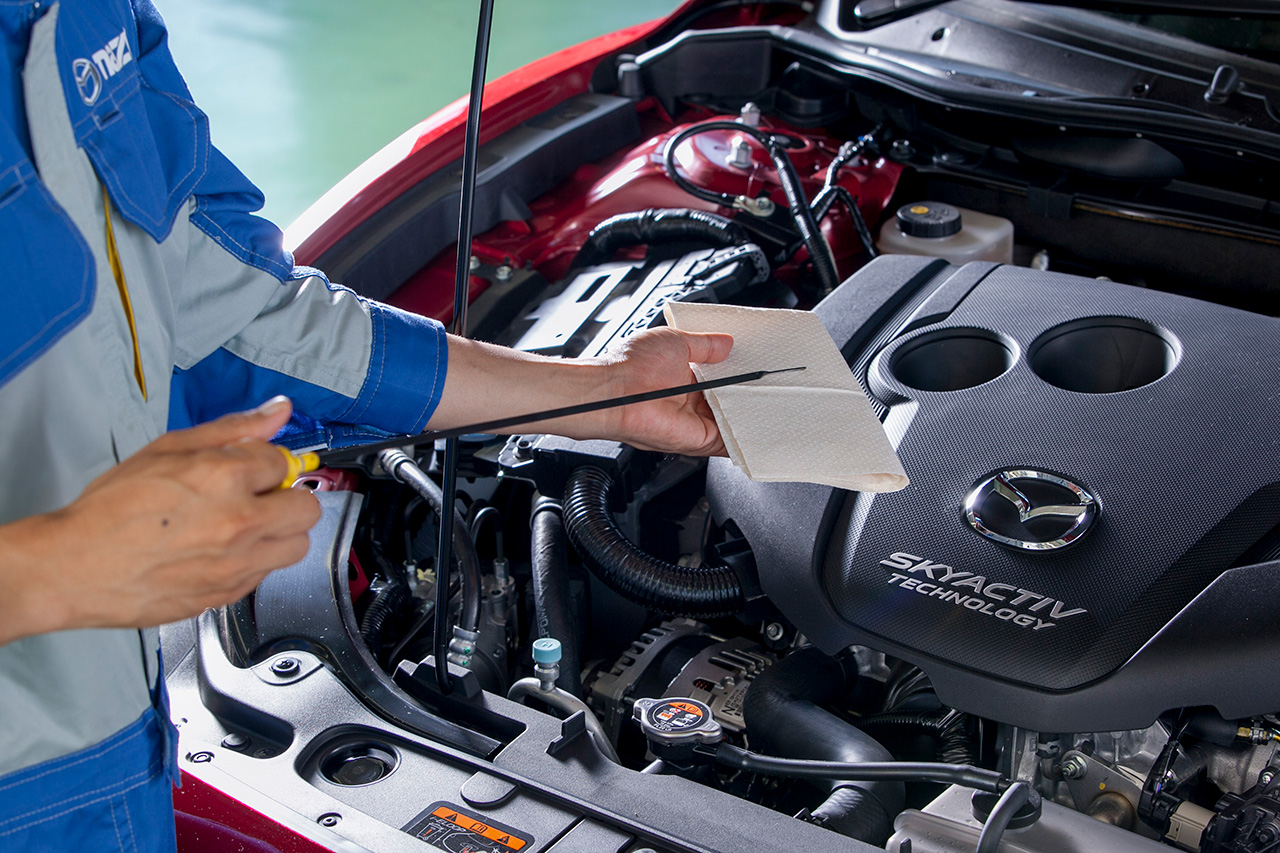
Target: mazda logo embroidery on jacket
{"type": "Point", "coordinates": [103, 65]}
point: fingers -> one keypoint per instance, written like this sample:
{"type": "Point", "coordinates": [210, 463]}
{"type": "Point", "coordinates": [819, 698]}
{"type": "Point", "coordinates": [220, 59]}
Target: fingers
{"type": "Point", "coordinates": [267, 555]}
{"type": "Point", "coordinates": [293, 511]}
{"type": "Point", "coordinates": [239, 543]}
{"type": "Point", "coordinates": [231, 452]}
{"type": "Point", "coordinates": [249, 468]}
{"type": "Point", "coordinates": [278, 513]}
{"type": "Point", "coordinates": [192, 520]}
{"type": "Point", "coordinates": [714, 446]}
{"type": "Point", "coordinates": [196, 584]}
{"type": "Point", "coordinates": [264, 465]}
{"type": "Point", "coordinates": [271, 555]}
{"type": "Point", "coordinates": [708, 347]}
{"type": "Point", "coordinates": [256, 424]}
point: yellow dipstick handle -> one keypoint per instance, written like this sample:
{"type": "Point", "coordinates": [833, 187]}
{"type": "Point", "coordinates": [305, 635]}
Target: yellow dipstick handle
{"type": "Point", "coordinates": [299, 464]}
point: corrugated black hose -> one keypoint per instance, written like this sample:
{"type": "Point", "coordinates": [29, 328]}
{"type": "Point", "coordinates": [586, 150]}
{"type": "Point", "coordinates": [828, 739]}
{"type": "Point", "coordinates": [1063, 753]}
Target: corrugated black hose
{"type": "Point", "coordinates": [388, 598]}
{"type": "Point", "coordinates": [706, 592]}
{"type": "Point", "coordinates": [552, 602]}
{"type": "Point", "coordinates": [951, 729]}
{"type": "Point", "coordinates": [784, 718]}
{"type": "Point", "coordinates": [654, 227]}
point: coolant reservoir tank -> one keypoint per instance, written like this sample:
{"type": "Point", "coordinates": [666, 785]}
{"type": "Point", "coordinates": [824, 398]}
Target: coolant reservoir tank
{"type": "Point", "coordinates": [944, 231]}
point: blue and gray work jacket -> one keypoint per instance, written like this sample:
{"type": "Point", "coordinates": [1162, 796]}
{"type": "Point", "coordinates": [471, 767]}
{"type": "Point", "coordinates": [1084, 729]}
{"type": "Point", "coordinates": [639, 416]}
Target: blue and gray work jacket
{"type": "Point", "coordinates": [204, 313]}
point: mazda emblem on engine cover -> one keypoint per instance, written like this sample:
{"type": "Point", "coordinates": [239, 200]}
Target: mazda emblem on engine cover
{"type": "Point", "coordinates": [1030, 510]}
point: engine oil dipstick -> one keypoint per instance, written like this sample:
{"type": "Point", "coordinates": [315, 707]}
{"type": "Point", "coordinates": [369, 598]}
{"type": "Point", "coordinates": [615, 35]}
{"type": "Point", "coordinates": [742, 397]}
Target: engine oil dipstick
{"type": "Point", "coordinates": [303, 463]}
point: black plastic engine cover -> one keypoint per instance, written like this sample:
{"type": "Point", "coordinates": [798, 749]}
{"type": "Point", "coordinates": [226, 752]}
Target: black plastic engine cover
{"type": "Point", "coordinates": [1162, 407]}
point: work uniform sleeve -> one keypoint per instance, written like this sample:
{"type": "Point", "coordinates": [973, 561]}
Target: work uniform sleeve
{"type": "Point", "coordinates": [341, 358]}
{"type": "Point", "coordinates": [248, 324]}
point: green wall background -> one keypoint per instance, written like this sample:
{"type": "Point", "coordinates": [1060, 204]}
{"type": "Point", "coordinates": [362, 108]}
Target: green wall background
{"type": "Point", "coordinates": [300, 92]}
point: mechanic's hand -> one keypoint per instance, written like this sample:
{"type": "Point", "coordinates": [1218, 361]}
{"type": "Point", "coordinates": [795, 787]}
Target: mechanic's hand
{"type": "Point", "coordinates": [659, 358]}
{"type": "Point", "coordinates": [486, 382]}
{"type": "Point", "coordinates": [193, 520]}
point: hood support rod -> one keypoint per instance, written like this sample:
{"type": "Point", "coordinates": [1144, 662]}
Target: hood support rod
{"type": "Point", "coordinates": [462, 279]}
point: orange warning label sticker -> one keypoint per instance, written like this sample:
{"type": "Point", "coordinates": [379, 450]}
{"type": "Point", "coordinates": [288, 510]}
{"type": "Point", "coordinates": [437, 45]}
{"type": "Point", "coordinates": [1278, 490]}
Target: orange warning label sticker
{"type": "Point", "coordinates": [447, 827]}
{"type": "Point", "coordinates": [482, 829]}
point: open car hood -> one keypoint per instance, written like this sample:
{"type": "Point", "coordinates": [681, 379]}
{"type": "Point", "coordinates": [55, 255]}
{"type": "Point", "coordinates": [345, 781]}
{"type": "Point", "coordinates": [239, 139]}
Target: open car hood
{"type": "Point", "coordinates": [1103, 325]}
{"type": "Point", "coordinates": [872, 13]}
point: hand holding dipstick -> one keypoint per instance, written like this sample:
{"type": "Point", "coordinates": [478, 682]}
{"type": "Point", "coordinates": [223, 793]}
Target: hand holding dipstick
{"type": "Point", "coordinates": [302, 463]}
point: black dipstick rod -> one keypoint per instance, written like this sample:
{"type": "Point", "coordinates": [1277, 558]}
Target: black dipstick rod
{"type": "Point", "coordinates": [305, 462]}
{"type": "Point", "coordinates": [347, 455]}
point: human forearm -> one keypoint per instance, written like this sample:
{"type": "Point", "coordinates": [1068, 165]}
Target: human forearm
{"type": "Point", "coordinates": [486, 382]}
{"type": "Point", "coordinates": [26, 607]}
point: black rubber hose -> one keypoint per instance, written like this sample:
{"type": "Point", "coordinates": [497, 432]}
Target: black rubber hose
{"type": "Point", "coordinates": [822, 205]}
{"type": "Point", "coordinates": [387, 601]}
{"type": "Point", "coordinates": [656, 226]}
{"type": "Point", "coordinates": [1014, 794]}
{"type": "Point", "coordinates": [893, 771]}
{"type": "Point", "coordinates": [552, 602]}
{"type": "Point", "coordinates": [835, 810]}
{"type": "Point", "coordinates": [950, 729]}
{"type": "Point", "coordinates": [707, 592]}
{"type": "Point", "coordinates": [1005, 808]}
{"type": "Point", "coordinates": [859, 223]}
{"type": "Point", "coordinates": [783, 718]}
{"type": "Point", "coordinates": [824, 263]}
{"type": "Point", "coordinates": [404, 469]}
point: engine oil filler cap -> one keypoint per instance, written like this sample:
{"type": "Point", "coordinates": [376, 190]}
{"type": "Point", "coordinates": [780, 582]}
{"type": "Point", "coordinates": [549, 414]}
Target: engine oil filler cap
{"type": "Point", "coordinates": [928, 219]}
{"type": "Point", "coordinates": [673, 727]}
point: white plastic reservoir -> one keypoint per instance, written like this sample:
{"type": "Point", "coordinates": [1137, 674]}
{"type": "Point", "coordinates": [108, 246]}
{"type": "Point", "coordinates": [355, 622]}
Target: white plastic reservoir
{"type": "Point", "coordinates": [955, 234]}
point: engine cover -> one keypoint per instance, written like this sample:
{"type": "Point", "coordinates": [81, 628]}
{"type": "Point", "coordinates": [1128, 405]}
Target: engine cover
{"type": "Point", "coordinates": [1118, 450]}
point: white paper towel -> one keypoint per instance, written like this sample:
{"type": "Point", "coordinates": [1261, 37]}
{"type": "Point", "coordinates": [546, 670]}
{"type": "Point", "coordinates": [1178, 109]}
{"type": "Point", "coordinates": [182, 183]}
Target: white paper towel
{"type": "Point", "coordinates": [811, 426]}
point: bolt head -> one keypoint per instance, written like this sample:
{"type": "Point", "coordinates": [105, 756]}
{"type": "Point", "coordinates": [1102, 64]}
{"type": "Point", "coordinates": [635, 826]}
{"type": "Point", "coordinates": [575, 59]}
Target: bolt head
{"type": "Point", "coordinates": [773, 632]}
{"type": "Point", "coordinates": [762, 206]}
{"type": "Point", "coordinates": [235, 740]}
{"type": "Point", "coordinates": [285, 666]}
{"type": "Point", "coordinates": [740, 156]}
{"type": "Point", "coordinates": [502, 273]}
{"type": "Point", "coordinates": [1074, 767]}
{"type": "Point", "coordinates": [330, 819]}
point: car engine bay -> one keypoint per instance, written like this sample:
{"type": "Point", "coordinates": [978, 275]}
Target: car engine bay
{"type": "Point", "coordinates": [1067, 324]}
